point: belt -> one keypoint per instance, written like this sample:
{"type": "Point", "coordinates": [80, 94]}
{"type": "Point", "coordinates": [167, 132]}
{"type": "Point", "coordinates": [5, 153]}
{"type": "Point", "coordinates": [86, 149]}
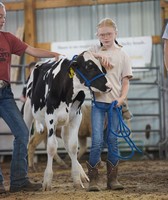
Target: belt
{"type": "Point", "coordinates": [3, 84]}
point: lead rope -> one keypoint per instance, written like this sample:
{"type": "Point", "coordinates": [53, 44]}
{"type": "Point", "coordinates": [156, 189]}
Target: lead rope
{"type": "Point", "coordinates": [123, 130]}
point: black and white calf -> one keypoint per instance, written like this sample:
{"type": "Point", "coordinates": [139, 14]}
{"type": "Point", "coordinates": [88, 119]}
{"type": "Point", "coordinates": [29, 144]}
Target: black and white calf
{"type": "Point", "coordinates": [55, 93]}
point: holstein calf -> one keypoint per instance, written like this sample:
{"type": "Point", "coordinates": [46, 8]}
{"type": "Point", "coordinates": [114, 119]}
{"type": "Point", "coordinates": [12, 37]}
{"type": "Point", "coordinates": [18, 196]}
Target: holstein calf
{"type": "Point", "coordinates": [84, 132]}
{"type": "Point", "coordinates": [55, 93]}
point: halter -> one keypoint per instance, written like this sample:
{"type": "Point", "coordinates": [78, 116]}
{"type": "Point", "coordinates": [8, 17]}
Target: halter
{"type": "Point", "coordinates": [87, 82]}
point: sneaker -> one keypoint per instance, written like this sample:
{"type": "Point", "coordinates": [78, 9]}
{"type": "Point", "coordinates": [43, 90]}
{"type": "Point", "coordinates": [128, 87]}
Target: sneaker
{"type": "Point", "coordinates": [2, 189]}
{"type": "Point", "coordinates": [28, 187]}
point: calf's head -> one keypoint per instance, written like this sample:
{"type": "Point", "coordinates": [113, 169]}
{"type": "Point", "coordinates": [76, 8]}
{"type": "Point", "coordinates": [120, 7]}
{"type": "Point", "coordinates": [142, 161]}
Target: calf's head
{"type": "Point", "coordinates": [90, 72]}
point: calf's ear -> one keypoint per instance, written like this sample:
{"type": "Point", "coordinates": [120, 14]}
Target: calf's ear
{"type": "Point", "coordinates": [73, 63]}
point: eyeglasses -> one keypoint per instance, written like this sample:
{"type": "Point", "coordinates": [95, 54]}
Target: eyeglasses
{"type": "Point", "coordinates": [103, 35]}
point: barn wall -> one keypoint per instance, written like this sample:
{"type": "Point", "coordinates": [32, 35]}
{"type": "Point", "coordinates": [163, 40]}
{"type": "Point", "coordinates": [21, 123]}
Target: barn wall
{"type": "Point", "coordinates": [133, 19]}
{"type": "Point", "coordinates": [79, 23]}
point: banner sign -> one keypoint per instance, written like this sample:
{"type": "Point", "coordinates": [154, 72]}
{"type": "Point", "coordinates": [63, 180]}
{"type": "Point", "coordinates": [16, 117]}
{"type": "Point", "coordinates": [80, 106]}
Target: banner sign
{"type": "Point", "coordinates": [138, 48]}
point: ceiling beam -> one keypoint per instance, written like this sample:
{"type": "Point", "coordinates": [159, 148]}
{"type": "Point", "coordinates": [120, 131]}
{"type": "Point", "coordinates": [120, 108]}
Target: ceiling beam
{"type": "Point", "coordinates": [14, 6]}
{"type": "Point", "coordinates": [40, 4]}
{"type": "Point", "coordinates": [43, 4]}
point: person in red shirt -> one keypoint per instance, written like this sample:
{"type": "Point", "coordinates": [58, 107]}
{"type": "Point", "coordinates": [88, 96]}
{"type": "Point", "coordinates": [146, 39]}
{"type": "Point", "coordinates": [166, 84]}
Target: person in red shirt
{"type": "Point", "coordinates": [9, 44]}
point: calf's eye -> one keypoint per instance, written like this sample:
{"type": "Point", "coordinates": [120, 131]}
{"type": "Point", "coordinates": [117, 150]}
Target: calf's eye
{"type": "Point", "coordinates": [90, 63]}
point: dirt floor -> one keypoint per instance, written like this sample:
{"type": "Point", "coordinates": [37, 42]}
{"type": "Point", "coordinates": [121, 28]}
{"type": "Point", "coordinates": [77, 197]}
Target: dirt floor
{"type": "Point", "coordinates": [143, 180]}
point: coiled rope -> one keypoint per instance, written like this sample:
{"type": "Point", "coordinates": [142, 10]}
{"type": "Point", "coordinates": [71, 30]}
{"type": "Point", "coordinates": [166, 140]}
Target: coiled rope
{"type": "Point", "coordinates": [122, 132]}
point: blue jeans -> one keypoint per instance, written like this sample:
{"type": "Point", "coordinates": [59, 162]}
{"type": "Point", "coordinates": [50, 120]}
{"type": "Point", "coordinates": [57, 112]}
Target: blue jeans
{"type": "Point", "coordinates": [98, 116]}
{"type": "Point", "coordinates": [13, 118]}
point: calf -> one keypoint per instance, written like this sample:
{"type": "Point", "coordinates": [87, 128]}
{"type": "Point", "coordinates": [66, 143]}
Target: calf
{"type": "Point", "coordinates": [55, 93]}
{"type": "Point", "coordinates": [84, 132]}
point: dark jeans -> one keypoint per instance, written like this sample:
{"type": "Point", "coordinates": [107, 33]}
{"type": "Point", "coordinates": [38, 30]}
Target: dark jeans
{"type": "Point", "coordinates": [13, 118]}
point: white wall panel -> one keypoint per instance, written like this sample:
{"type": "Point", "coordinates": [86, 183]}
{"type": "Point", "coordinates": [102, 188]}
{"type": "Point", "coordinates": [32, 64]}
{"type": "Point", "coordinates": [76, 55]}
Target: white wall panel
{"type": "Point", "coordinates": [100, 12]}
{"type": "Point", "coordinates": [136, 19]}
{"type": "Point", "coordinates": [94, 19]}
{"type": "Point", "coordinates": [72, 23]}
{"type": "Point", "coordinates": [49, 23]}
{"type": "Point", "coordinates": [157, 18]}
{"type": "Point", "coordinates": [40, 29]}
{"type": "Point", "coordinates": [20, 18]}
{"type": "Point", "coordinates": [111, 11]}
{"type": "Point", "coordinates": [85, 23]}
{"type": "Point", "coordinates": [123, 20]}
{"type": "Point", "coordinates": [148, 23]}
{"type": "Point", "coordinates": [11, 22]}
{"type": "Point", "coordinates": [61, 25]}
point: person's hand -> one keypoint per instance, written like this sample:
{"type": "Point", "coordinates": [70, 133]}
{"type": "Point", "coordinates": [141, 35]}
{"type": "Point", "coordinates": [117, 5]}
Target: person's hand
{"type": "Point", "coordinates": [22, 99]}
{"type": "Point", "coordinates": [61, 56]}
{"type": "Point", "coordinates": [104, 60]}
{"type": "Point", "coordinates": [120, 102]}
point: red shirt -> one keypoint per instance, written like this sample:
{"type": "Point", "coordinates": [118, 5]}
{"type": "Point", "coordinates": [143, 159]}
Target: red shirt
{"type": "Point", "coordinates": [9, 44]}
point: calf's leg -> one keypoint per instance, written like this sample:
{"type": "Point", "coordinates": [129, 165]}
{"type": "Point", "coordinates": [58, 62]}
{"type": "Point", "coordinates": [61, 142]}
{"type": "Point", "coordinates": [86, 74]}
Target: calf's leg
{"type": "Point", "coordinates": [70, 137]}
{"type": "Point", "coordinates": [52, 145]}
{"type": "Point", "coordinates": [35, 140]}
{"type": "Point", "coordinates": [82, 146]}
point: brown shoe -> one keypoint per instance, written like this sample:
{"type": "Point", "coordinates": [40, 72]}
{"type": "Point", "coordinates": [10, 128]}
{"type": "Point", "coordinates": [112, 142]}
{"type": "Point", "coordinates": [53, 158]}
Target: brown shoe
{"type": "Point", "coordinates": [2, 189]}
{"type": "Point", "coordinates": [112, 172]}
{"type": "Point", "coordinates": [93, 177]}
{"type": "Point", "coordinates": [28, 187]}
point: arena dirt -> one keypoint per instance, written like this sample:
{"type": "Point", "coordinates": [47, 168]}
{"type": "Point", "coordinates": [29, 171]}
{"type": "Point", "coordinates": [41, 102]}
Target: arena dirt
{"type": "Point", "coordinates": [143, 180]}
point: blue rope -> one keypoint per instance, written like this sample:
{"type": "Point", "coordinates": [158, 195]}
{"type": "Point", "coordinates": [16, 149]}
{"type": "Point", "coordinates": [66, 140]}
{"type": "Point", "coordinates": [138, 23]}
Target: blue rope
{"type": "Point", "coordinates": [73, 58]}
{"type": "Point", "coordinates": [124, 131]}
{"type": "Point", "coordinates": [88, 82]}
